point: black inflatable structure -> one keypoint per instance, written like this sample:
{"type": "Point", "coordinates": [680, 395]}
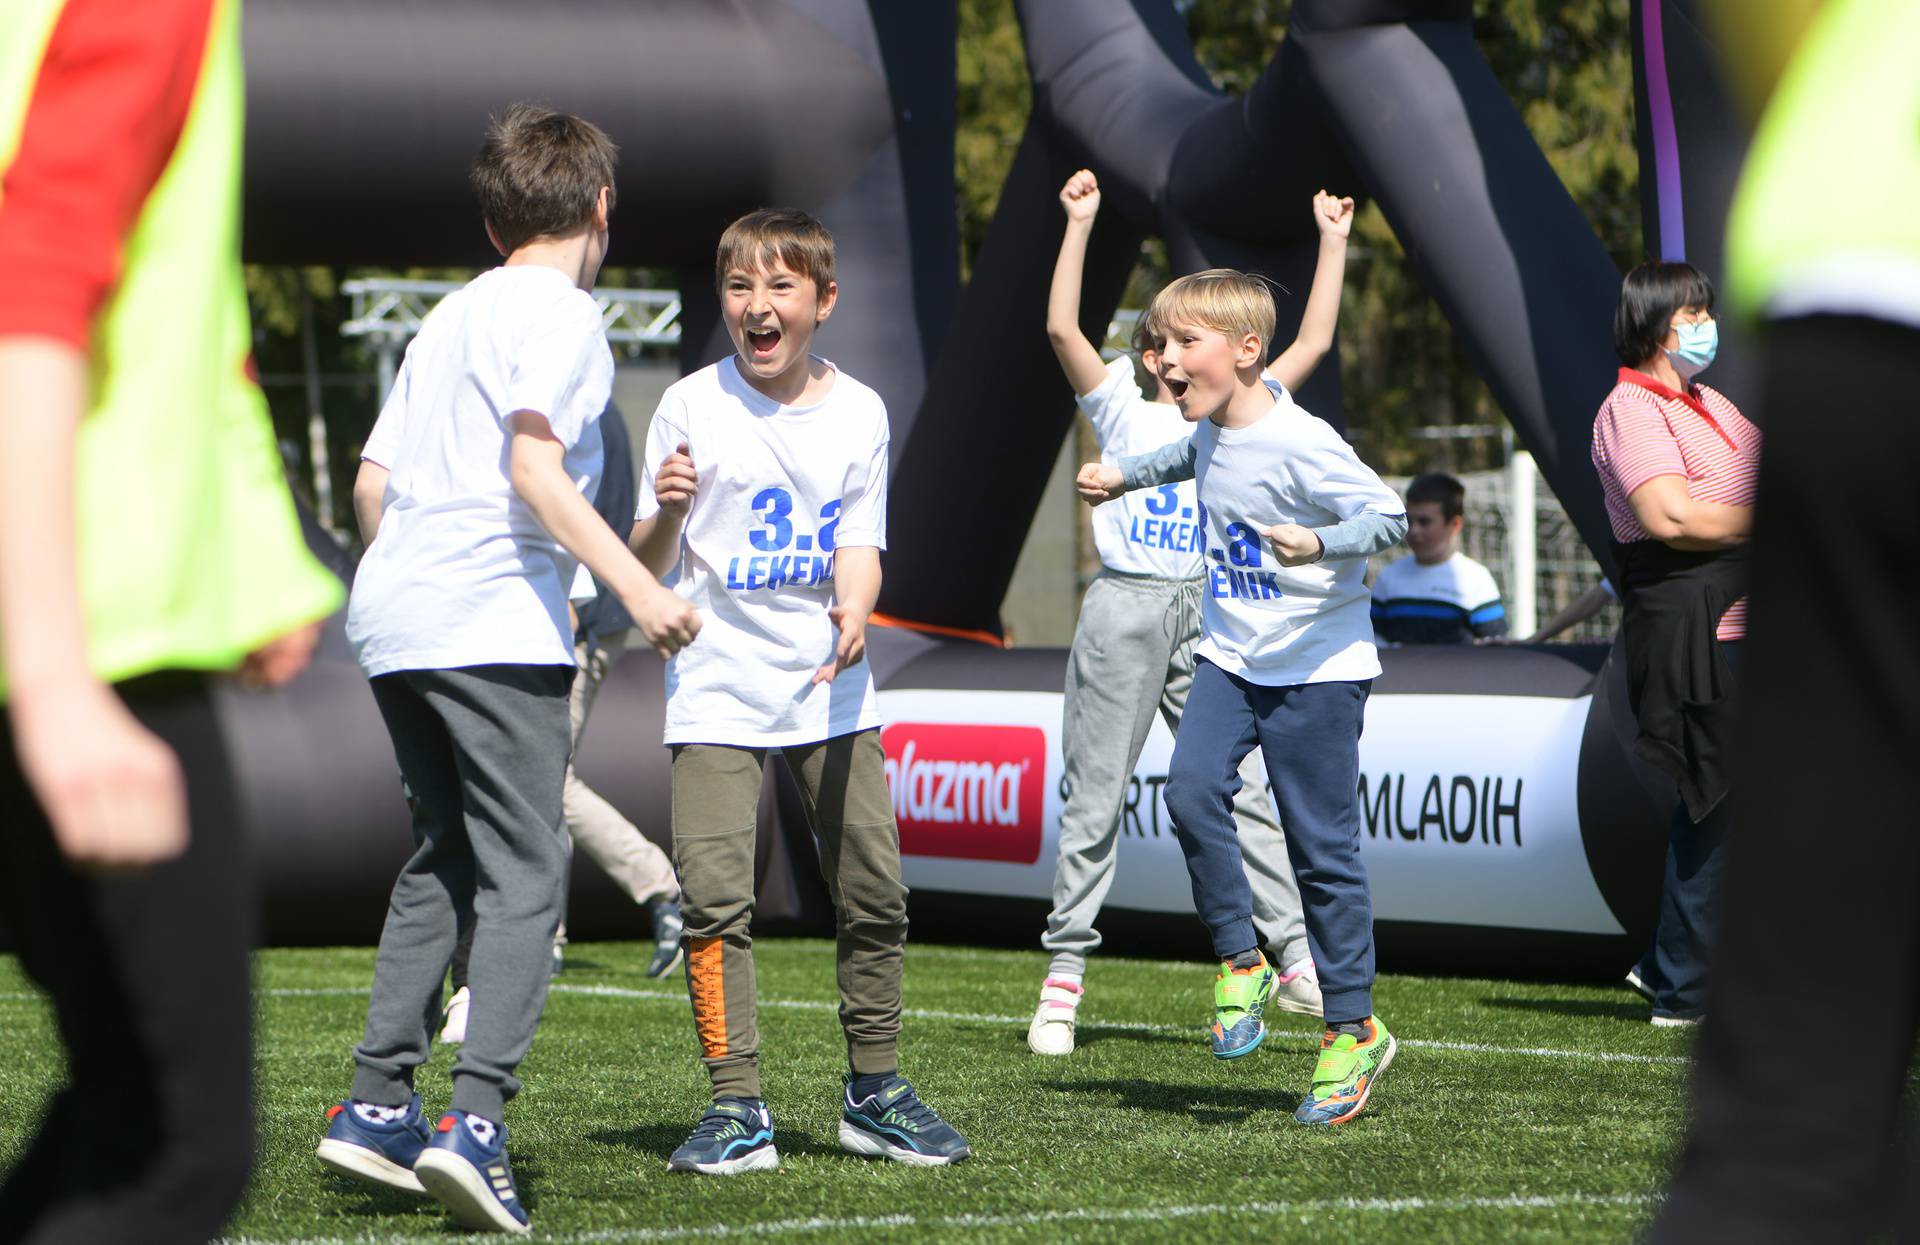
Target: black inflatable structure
{"type": "Point", "coordinates": [1507, 828]}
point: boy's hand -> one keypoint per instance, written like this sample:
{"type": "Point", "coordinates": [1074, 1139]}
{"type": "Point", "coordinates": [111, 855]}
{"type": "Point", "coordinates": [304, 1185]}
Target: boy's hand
{"type": "Point", "coordinates": [1333, 216]}
{"type": "Point", "coordinates": [676, 482]}
{"type": "Point", "coordinates": [1081, 196]}
{"type": "Point", "coordinates": [667, 620]}
{"type": "Point", "coordinates": [111, 790]}
{"type": "Point", "coordinates": [849, 648]}
{"type": "Point", "coordinates": [1294, 545]}
{"type": "Point", "coordinates": [1098, 482]}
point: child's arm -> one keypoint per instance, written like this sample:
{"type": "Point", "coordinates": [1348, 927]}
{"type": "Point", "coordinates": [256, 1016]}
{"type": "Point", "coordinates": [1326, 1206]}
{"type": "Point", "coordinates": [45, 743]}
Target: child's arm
{"type": "Point", "coordinates": [856, 587]}
{"type": "Point", "coordinates": [1079, 358]}
{"type": "Point", "coordinates": [655, 540]}
{"type": "Point", "coordinates": [1334, 216]}
{"type": "Point", "coordinates": [1585, 606]}
{"type": "Point", "coordinates": [369, 497]}
{"type": "Point", "coordinates": [1169, 464]}
{"type": "Point", "coordinates": [539, 477]}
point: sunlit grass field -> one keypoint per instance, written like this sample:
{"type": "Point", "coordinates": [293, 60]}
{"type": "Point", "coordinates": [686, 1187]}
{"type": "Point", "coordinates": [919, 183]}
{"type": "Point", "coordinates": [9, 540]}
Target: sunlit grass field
{"type": "Point", "coordinates": [1514, 1111]}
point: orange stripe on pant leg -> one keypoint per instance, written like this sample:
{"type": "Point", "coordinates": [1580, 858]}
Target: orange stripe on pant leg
{"type": "Point", "coordinates": [707, 983]}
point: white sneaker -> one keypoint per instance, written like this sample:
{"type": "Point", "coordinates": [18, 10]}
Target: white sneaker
{"type": "Point", "coordinates": [1298, 990]}
{"type": "Point", "coordinates": [454, 1031]}
{"type": "Point", "coordinates": [1051, 1032]}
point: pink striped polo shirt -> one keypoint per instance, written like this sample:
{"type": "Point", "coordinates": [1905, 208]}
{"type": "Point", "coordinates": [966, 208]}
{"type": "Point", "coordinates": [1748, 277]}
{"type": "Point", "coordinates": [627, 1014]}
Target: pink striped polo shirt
{"type": "Point", "coordinates": [1645, 429]}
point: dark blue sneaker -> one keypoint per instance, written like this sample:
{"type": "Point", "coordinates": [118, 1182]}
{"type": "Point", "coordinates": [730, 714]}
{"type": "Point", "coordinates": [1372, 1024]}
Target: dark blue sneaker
{"type": "Point", "coordinates": [895, 1124]}
{"type": "Point", "coordinates": [735, 1135]}
{"type": "Point", "coordinates": [465, 1169]}
{"type": "Point", "coordinates": [381, 1154]}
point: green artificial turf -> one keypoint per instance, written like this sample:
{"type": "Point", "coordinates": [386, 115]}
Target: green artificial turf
{"type": "Point", "coordinates": [1514, 1112]}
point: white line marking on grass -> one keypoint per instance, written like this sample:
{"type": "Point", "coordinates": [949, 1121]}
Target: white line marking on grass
{"type": "Point", "coordinates": [962, 1223]}
{"type": "Point", "coordinates": [1136, 1026]}
{"type": "Point", "coordinates": [1108, 1026]}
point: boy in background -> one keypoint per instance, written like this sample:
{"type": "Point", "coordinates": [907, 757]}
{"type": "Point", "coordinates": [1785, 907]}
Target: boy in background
{"type": "Point", "coordinates": [765, 497]}
{"type": "Point", "coordinates": [1134, 642]}
{"type": "Point", "coordinates": [1439, 595]}
{"type": "Point", "coordinates": [458, 615]}
{"type": "Point", "coordinates": [1290, 514]}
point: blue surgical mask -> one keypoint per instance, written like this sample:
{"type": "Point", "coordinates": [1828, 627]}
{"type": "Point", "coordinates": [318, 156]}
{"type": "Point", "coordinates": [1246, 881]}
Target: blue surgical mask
{"type": "Point", "coordinates": [1698, 344]}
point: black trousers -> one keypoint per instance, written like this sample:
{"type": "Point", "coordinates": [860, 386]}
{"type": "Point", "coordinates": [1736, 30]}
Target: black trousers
{"type": "Point", "coordinates": [151, 1139]}
{"type": "Point", "coordinates": [1798, 1131]}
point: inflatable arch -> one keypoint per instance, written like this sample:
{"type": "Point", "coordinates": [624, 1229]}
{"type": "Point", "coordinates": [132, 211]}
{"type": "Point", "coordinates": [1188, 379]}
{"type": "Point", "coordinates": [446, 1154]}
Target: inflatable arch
{"type": "Point", "coordinates": [1506, 826]}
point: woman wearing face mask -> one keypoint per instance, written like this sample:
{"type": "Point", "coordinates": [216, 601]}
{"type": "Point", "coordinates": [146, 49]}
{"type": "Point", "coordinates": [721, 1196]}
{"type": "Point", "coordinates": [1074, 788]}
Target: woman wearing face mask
{"type": "Point", "coordinates": [1678, 464]}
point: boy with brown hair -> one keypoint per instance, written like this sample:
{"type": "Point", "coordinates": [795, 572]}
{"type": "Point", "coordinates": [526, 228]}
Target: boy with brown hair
{"type": "Point", "coordinates": [459, 618]}
{"type": "Point", "coordinates": [1290, 514]}
{"type": "Point", "coordinates": [776, 536]}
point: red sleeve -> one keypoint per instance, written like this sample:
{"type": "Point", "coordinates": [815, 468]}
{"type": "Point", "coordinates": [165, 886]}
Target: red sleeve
{"type": "Point", "coordinates": [1633, 440]}
{"type": "Point", "coordinates": [107, 109]}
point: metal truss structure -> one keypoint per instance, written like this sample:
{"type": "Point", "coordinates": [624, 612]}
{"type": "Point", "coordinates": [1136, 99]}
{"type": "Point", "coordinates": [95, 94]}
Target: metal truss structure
{"type": "Point", "coordinates": [388, 311]}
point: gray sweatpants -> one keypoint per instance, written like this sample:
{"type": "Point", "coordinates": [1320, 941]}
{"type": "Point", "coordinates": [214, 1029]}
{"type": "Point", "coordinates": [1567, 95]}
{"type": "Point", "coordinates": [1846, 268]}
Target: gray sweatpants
{"type": "Point", "coordinates": [1133, 654]}
{"type": "Point", "coordinates": [483, 750]}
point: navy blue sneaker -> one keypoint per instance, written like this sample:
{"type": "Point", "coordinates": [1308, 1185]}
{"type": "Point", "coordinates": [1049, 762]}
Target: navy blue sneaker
{"type": "Point", "coordinates": [895, 1124]}
{"type": "Point", "coordinates": [380, 1154]}
{"type": "Point", "coordinates": [735, 1135]}
{"type": "Point", "coordinates": [465, 1169]}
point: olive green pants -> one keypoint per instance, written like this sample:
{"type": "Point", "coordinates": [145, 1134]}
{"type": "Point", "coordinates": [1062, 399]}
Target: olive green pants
{"type": "Point", "coordinates": [716, 799]}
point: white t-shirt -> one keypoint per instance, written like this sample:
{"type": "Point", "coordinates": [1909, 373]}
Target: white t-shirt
{"type": "Point", "coordinates": [1449, 602]}
{"type": "Point", "coordinates": [461, 573]}
{"type": "Point", "coordinates": [1148, 531]}
{"type": "Point", "coordinates": [1269, 624]}
{"type": "Point", "coordinates": [780, 488]}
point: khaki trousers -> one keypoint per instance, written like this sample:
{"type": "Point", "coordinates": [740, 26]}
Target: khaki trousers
{"type": "Point", "coordinates": [716, 798]}
{"type": "Point", "coordinates": [598, 828]}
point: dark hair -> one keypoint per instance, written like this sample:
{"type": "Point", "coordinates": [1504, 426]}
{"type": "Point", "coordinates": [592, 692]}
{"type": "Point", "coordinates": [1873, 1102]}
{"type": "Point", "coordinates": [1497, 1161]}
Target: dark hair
{"type": "Point", "coordinates": [1649, 296]}
{"type": "Point", "coordinates": [769, 236]}
{"type": "Point", "coordinates": [1145, 339]}
{"type": "Point", "coordinates": [539, 173]}
{"type": "Point", "coordinates": [1442, 490]}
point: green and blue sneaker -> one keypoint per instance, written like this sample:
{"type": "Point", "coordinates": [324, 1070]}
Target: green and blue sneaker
{"type": "Point", "coordinates": [1239, 1008]}
{"type": "Point", "coordinates": [735, 1135]}
{"type": "Point", "coordinates": [893, 1123]}
{"type": "Point", "coordinates": [1345, 1075]}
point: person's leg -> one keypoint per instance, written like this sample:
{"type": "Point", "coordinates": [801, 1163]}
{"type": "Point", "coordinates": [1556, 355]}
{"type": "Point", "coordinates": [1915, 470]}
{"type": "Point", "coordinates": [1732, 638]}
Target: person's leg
{"type": "Point", "coordinates": [1688, 893]}
{"type": "Point", "coordinates": [508, 728]}
{"type": "Point", "coordinates": [716, 804]}
{"type": "Point", "coordinates": [432, 903]}
{"type": "Point", "coordinates": [151, 1138]}
{"type": "Point", "coordinates": [1119, 656]}
{"type": "Point", "coordinates": [1216, 734]}
{"type": "Point", "coordinates": [1797, 1110]}
{"type": "Point", "coordinates": [1263, 846]}
{"type": "Point", "coordinates": [844, 787]}
{"type": "Point", "coordinates": [614, 843]}
{"type": "Point", "coordinates": [1310, 737]}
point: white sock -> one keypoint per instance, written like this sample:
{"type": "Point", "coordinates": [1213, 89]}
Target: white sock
{"type": "Point", "coordinates": [373, 1113]}
{"type": "Point", "coordinates": [483, 1130]}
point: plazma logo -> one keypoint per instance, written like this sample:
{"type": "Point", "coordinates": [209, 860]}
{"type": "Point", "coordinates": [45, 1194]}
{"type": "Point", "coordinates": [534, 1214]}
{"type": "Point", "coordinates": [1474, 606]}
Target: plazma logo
{"type": "Point", "coordinates": [967, 791]}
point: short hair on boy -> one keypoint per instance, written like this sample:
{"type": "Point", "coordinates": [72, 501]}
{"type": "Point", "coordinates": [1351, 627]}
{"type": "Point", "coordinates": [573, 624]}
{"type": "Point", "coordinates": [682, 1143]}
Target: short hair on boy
{"type": "Point", "coordinates": [769, 236]}
{"type": "Point", "coordinates": [1225, 300]}
{"type": "Point", "coordinates": [1440, 489]}
{"type": "Point", "coordinates": [539, 173]}
{"type": "Point", "coordinates": [1145, 339]}
{"type": "Point", "coordinates": [1649, 297]}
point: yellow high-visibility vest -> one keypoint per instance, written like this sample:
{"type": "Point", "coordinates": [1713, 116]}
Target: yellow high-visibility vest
{"type": "Point", "coordinates": [190, 552]}
{"type": "Point", "coordinates": [1827, 215]}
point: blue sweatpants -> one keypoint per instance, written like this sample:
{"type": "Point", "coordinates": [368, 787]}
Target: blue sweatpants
{"type": "Point", "coordinates": [1309, 735]}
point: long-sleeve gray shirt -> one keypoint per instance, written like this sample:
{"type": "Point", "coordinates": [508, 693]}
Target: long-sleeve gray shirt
{"type": "Point", "coordinates": [1360, 536]}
